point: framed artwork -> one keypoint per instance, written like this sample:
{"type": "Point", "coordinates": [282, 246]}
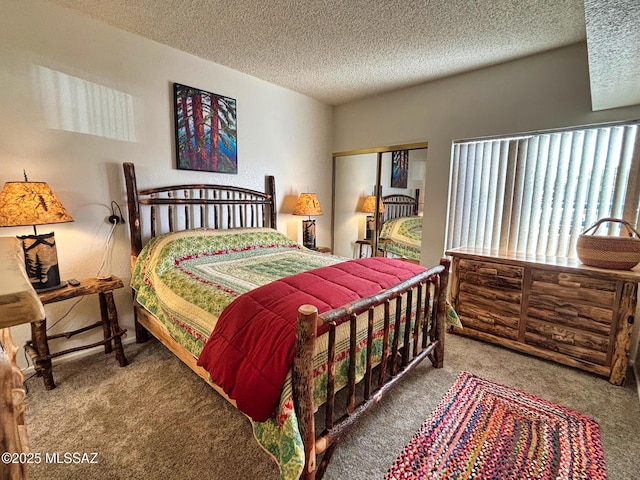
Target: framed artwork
{"type": "Point", "coordinates": [206, 130]}
{"type": "Point", "coordinates": [399, 168]}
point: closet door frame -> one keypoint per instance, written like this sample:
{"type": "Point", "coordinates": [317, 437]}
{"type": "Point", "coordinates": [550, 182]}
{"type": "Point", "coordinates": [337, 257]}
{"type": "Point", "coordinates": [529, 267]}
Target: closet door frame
{"type": "Point", "coordinates": [379, 151]}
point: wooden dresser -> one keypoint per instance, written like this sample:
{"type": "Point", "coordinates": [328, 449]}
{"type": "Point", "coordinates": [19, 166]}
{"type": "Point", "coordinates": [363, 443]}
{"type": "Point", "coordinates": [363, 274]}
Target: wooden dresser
{"type": "Point", "coordinates": [557, 309]}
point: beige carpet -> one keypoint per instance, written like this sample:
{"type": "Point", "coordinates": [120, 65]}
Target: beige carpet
{"type": "Point", "coordinates": [156, 419]}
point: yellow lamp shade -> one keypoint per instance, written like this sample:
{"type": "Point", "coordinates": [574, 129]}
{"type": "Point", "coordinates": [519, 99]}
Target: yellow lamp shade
{"type": "Point", "coordinates": [30, 203]}
{"type": "Point", "coordinates": [369, 205]}
{"type": "Point", "coordinates": [308, 204]}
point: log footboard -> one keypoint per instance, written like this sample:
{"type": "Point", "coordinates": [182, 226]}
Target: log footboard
{"type": "Point", "coordinates": [399, 356]}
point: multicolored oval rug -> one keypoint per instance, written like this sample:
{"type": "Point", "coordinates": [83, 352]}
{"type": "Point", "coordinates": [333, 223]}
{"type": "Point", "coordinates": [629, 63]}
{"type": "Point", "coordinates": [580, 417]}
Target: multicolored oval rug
{"type": "Point", "coordinates": [484, 430]}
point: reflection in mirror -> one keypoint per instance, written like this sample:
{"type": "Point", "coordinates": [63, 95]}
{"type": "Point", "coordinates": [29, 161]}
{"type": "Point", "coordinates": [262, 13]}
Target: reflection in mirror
{"type": "Point", "coordinates": [402, 179]}
{"type": "Point", "coordinates": [415, 176]}
{"type": "Point", "coordinates": [363, 173]}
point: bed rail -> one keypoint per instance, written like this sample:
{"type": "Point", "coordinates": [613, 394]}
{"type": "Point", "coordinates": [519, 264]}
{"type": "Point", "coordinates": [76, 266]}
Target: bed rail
{"type": "Point", "coordinates": [425, 339]}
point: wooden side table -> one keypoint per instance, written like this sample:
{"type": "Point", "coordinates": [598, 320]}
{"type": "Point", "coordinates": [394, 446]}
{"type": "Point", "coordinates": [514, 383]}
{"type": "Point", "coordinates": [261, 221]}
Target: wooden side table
{"type": "Point", "coordinates": [38, 346]}
{"type": "Point", "coordinates": [362, 243]}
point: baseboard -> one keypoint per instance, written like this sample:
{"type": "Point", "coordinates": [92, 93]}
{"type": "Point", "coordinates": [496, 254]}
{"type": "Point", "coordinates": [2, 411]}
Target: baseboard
{"type": "Point", "coordinates": [30, 370]}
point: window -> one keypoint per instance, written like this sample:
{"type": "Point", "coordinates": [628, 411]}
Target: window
{"type": "Point", "coordinates": [535, 193]}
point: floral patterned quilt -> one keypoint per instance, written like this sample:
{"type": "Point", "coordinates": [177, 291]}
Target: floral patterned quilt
{"type": "Point", "coordinates": [402, 236]}
{"type": "Point", "coordinates": [187, 278]}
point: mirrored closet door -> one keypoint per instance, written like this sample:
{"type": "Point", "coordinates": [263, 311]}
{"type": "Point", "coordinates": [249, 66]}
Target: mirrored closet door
{"type": "Point", "coordinates": [361, 178]}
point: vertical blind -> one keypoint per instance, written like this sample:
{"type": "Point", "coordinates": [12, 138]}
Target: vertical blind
{"type": "Point", "coordinates": [535, 193]}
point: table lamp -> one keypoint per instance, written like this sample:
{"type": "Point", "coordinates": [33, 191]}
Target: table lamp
{"type": "Point", "coordinates": [369, 206]}
{"type": "Point", "coordinates": [308, 204]}
{"type": "Point", "coordinates": [34, 203]}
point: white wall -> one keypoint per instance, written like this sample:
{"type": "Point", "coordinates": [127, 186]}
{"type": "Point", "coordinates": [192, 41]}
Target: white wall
{"type": "Point", "coordinates": [549, 90]}
{"type": "Point", "coordinates": [280, 133]}
{"type": "Point", "coordinates": [539, 92]}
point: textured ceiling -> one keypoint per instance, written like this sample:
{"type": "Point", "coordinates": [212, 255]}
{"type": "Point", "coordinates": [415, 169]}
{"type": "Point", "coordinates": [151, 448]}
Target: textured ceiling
{"type": "Point", "coordinates": [613, 41]}
{"type": "Point", "coordinates": [342, 50]}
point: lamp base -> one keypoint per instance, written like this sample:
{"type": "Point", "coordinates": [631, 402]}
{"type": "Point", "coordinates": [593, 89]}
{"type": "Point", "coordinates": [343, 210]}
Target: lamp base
{"type": "Point", "coordinates": [41, 261]}
{"type": "Point", "coordinates": [309, 234]}
{"type": "Point", "coordinates": [371, 225]}
{"type": "Point", "coordinates": [48, 289]}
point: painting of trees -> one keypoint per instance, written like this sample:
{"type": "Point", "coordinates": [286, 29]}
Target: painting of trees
{"type": "Point", "coordinates": [206, 131]}
{"type": "Point", "coordinates": [399, 168]}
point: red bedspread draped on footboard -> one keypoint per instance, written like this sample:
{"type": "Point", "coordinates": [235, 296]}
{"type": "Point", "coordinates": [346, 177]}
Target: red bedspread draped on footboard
{"type": "Point", "coordinates": [251, 348]}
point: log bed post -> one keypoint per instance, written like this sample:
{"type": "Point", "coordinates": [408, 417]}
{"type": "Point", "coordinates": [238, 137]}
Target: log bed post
{"type": "Point", "coordinates": [306, 332]}
{"type": "Point", "coordinates": [271, 191]}
{"type": "Point", "coordinates": [135, 229]}
{"type": "Point", "coordinates": [441, 314]}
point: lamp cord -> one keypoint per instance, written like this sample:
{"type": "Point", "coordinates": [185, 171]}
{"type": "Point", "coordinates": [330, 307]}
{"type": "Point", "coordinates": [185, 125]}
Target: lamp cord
{"type": "Point", "coordinates": [113, 211]}
{"type": "Point", "coordinates": [106, 248]}
{"type": "Point", "coordinates": [104, 257]}
{"type": "Point", "coordinates": [66, 314]}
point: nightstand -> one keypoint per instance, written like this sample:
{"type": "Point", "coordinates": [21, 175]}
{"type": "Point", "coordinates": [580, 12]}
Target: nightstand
{"type": "Point", "coordinates": [38, 346]}
{"type": "Point", "coordinates": [367, 251]}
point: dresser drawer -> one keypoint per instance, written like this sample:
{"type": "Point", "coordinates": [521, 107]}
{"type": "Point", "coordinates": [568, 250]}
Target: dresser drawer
{"type": "Point", "coordinates": [559, 312]}
{"type": "Point", "coordinates": [574, 342]}
{"type": "Point", "coordinates": [490, 296]}
{"type": "Point", "coordinates": [574, 288]}
{"type": "Point", "coordinates": [490, 310]}
{"type": "Point", "coordinates": [572, 300]}
{"type": "Point", "coordinates": [491, 274]}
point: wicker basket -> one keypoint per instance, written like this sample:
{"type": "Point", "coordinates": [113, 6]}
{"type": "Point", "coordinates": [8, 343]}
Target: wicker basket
{"type": "Point", "coordinates": [620, 253]}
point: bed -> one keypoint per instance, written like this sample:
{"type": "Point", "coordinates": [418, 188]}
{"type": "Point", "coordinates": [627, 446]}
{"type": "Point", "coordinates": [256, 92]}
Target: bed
{"type": "Point", "coordinates": [341, 358]}
{"type": "Point", "coordinates": [401, 232]}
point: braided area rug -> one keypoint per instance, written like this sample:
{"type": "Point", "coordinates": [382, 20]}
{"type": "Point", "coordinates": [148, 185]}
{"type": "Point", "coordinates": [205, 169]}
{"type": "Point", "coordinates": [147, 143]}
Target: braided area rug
{"type": "Point", "coordinates": [484, 430]}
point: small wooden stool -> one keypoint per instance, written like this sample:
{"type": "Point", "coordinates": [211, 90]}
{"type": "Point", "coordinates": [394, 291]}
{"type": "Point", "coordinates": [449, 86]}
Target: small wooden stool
{"type": "Point", "coordinates": [38, 346]}
{"type": "Point", "coordinates": [367, 251]}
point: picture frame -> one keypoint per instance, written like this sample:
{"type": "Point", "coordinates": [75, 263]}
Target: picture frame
{"type": "Point", "coordinates": [399, 168]}
{"type": "Point", "coordinates": [205, 130]}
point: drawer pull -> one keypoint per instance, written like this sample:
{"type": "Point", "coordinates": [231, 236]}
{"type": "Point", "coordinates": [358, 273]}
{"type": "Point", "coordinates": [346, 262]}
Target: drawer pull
{"type": "Point", "coordinates": [488, 271]}
{"type": "Point", "coordinates": [562, 338]}
{"type": "Point", "coordinates": [567, 283]}
{"type": "Point", "coordinates": [487, 320]}
{"type": "Point", "coordinates": [566, 311]}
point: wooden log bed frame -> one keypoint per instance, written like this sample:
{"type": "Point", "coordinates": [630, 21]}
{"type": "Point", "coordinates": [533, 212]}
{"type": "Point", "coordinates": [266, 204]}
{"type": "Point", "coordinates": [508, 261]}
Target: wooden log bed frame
{"type": "Point", "coordinates": [182, 207]}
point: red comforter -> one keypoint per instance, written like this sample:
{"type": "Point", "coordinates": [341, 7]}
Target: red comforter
{"type": "Point", "coordinates": [251, 348]}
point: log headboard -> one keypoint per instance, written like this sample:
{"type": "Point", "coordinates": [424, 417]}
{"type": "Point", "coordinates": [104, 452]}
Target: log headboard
{"type": "Point", "coordinates": [183, 207]}
{"type": "Point", "coordinates": [399, 205]}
